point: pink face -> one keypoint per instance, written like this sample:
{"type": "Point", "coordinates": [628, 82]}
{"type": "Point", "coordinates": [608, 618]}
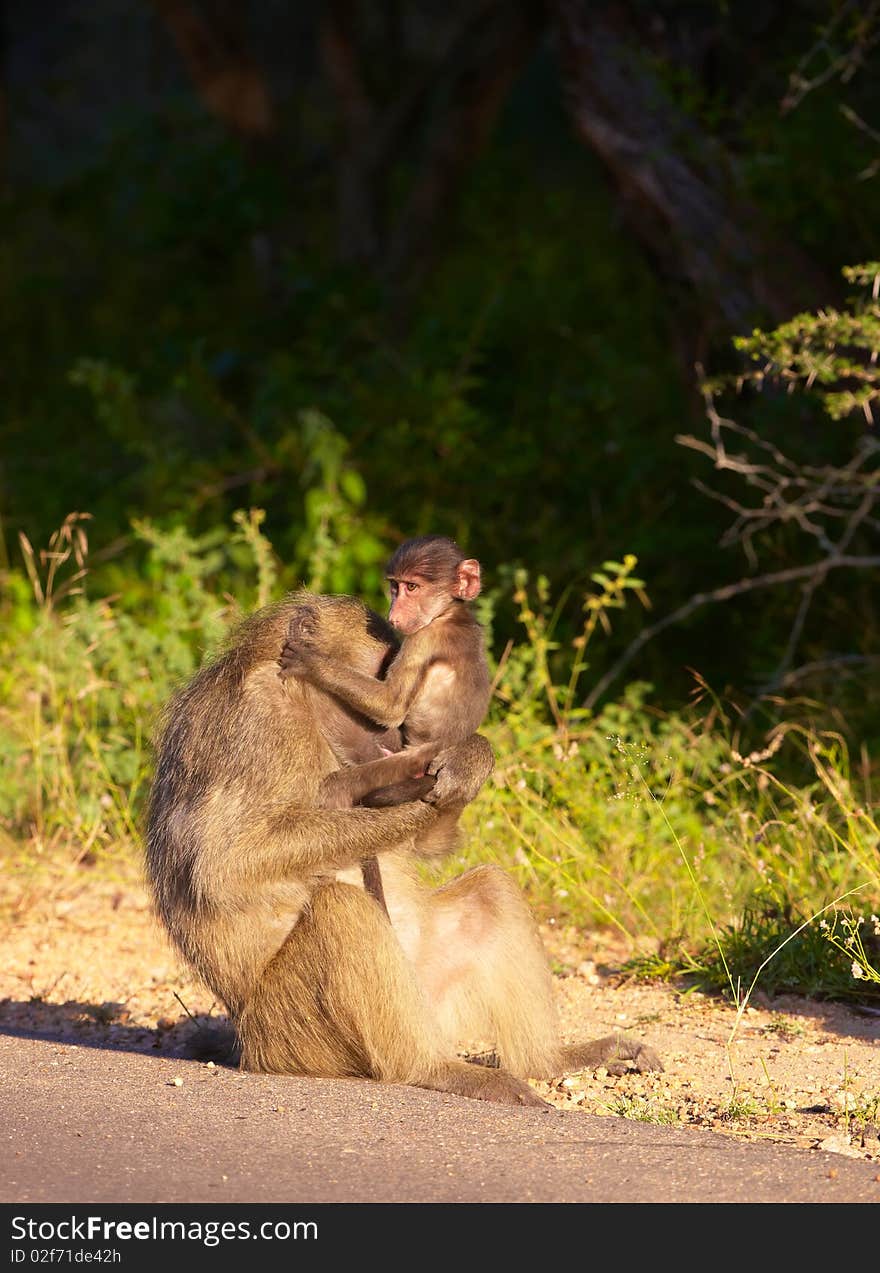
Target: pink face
{"type": "Point", "coordinates": [416, 602]}
{"type": "Point", "coordinates": [411, 603]}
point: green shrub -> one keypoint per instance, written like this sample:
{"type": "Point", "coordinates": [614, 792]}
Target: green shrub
{"type": "Point", "coordinates": [659, 825]}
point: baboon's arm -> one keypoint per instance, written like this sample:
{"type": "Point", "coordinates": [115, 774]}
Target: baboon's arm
{"type": "Point", "coordinates": [460, 771]}
{"type": "Point", "coordinates": [305, 840]}
{"type": "Point", "coordinates": [385, 702]}
{"type": "Point", "coordinates": [289, 840]}
{"type": "Point", "coordinates": [347, 787]}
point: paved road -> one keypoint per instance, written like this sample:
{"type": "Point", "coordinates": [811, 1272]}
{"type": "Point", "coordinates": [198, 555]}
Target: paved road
{"type": "Point", "coordinates": [84, 1124]}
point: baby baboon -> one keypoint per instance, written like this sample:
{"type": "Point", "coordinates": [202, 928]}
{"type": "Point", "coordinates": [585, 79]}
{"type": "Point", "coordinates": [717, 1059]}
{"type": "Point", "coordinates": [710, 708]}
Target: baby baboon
{"type": "Point", "coordinates": [260, 888]}
{"type": "Point", "coordinates": [436, 689]}
{"type": "Point", "coordinates": [435, 692]}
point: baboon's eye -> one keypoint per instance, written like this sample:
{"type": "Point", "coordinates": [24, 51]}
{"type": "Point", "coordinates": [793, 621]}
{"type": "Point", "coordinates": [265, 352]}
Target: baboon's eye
{"type": "Point", "coordinates": [410, 586]}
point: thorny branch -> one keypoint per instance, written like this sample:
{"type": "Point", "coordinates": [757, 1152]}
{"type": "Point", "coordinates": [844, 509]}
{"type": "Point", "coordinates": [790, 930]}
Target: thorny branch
{"type": "Point", "coordinates": [858, 25]}
{"type": "Point", "coordinates": [843, 63]}
{"type": "Point", "coordinates": [829, 504]}
{"type": "Point", "coordinates": [816, 498]}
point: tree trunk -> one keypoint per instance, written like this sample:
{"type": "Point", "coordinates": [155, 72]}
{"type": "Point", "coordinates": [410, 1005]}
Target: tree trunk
{"type": "Point", "coordinates": [225, 75]}
{"type": "Point", "coordinates": [356, 195]}
{"type": "Point", "coordinates": [458, 98]}
{"type": "Point", "coordinates": [4, 101]}
{"type": "Point", "coordinates": [677, 187]}
{"type": "Point", "coordinates": [498, 47]}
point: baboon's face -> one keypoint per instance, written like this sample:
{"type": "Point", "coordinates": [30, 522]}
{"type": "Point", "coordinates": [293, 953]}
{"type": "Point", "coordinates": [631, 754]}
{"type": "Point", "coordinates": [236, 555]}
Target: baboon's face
{"type": "Point", "coordinates": [349, 631]}
{"type": "Point", "coordinates": [418, 598]}
{"type": "Point", "coordinates": [414, 603]}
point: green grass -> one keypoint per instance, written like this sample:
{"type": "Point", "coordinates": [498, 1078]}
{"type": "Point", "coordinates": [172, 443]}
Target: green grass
{"type": "Point", "coordinates": [787, 1028]}
{"type": "Point", "coordinates": [643, 1110]}
{"type": "Point", "coordinates": [728, 863]}
{"type": "Point", "coordinates": [732, 864]}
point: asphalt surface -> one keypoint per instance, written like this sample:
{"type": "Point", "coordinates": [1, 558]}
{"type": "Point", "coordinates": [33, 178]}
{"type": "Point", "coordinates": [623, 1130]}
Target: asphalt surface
{"type": "Point", "coordinates": [87, 1124]}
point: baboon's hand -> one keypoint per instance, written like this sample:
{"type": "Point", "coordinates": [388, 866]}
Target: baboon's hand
{"type": "Point", "coordinates": [295, 660]}
{"type": "Point", "coordinates": [460, 771]}
{"type": "Point", "coordinates": [297, 651]}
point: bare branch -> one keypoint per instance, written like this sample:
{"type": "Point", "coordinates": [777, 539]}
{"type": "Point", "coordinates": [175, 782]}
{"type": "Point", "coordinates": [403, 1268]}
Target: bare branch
{"type": "Point", "coordinates": [725, 593]}
{"type": "Point", "coordinates": [838, 64]}
{"type": "Point", "coordinates": [835, 664]}
{"type": "Point", "coordinates": [829, 504]}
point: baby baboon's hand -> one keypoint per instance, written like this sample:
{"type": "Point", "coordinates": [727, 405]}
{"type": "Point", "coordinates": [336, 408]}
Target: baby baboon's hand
{"type": "Point", "coordinates": [294, 661]}
{"type": "Point", "coordinates": [297, 651]}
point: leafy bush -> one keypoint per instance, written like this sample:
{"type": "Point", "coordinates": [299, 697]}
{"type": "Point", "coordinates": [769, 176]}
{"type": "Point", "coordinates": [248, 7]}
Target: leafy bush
{"type": "Point", "coordinates": [655, 824]}
{"type": "Point", "coordinates": [87, 676]}
{"type": "Point", "coordinates": [833, 352]}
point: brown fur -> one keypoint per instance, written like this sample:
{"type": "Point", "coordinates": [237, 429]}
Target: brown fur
{"type": "Point", "coordinates": [435, 691]}
{"type": "Point", "coordinates": [260, 890]}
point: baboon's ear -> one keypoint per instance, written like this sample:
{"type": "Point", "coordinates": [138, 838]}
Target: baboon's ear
{"type": "Point", "coordinates": [304, 623]}
{"type": "Point", "coordinates": [469, 582]}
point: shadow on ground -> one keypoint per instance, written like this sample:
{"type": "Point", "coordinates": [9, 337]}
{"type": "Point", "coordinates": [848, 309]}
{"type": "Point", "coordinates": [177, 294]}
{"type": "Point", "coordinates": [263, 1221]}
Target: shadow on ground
{"type": "Point", "coordinates": [200, 1037]}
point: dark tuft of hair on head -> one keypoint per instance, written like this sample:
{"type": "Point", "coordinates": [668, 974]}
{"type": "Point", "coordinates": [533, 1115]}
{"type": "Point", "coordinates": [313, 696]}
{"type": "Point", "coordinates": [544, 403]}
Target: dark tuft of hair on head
{"type": "Point", "coordinates": [431, 557]}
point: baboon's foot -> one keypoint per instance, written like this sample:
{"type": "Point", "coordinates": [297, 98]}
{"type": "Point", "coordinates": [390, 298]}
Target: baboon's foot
{"type": "Point", "coordinates": [482, 1084]}
{"type": "Point", "coordinates": [491, 1060]}
{"type": "Point", "coordinates": [618, 1053]}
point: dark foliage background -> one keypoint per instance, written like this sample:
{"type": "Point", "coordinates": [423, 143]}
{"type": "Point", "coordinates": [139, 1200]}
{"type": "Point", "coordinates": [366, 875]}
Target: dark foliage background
{"type": "Point", "coordinates": [462, 259]}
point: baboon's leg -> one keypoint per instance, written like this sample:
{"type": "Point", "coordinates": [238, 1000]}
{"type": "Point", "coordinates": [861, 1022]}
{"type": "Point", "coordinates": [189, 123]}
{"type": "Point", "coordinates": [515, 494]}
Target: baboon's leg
{"type": "Point", "coordinates": [616, 1052]}
{"type": "Point", "coordinates": [494, 1085]}
{"type": "Point", "coordinates": [372, 877]}
{"type": "Point", "coordinates": [346, 787]}
{"type": "Point", "coordinates": [486, 975]}
{"type": "Point", "coordinates": [340, 999]}
{"type": "Point", "coordinates": [399, 792]}
{"type": "Point", "coordinates": [485, 972]}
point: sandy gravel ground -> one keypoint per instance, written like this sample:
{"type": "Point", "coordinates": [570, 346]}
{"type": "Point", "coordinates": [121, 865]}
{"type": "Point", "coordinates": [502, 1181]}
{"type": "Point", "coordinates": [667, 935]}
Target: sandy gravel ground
{"type": "Point", "coordinates": [87, 963]}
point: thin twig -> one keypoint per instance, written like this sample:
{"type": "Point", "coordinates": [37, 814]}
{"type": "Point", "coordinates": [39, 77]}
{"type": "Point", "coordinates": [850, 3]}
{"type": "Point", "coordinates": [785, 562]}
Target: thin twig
{"type": "Point", "coordinates": [724, 593]}
{"type": "Point", "coordinates": [186, 1010]}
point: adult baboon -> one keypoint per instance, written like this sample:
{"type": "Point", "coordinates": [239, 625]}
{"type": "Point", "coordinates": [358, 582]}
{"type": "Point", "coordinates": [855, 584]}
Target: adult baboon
{"type": "Point", "coordinates": [261, 892]}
